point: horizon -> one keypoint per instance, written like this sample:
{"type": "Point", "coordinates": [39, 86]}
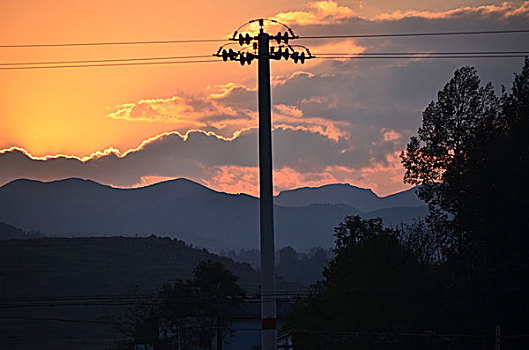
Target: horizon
{"type": "Point", "coordinates": [335, 120]}
{"type": "Point", "coordinates": [200, 184]}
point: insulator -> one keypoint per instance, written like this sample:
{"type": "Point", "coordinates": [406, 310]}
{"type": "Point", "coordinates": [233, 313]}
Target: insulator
{"type": "Point", "coordinates": [232, 54]}
{"type": "Point", "coordinates": [242, 59]}
{"type": "Point", "coordinates": [272, 50]}
{"type": "Point", "coordinates": [249, 58]}
{"type": "Point", "coordinates": [295, 56]}
{"type": "Point", "coordinates": [302, 58]}
{"type": "Point", "coordinates": [286, 55]}
{"type": "Point", "coordinates": [278, 38]}
{"type": "Point", "coordinates": [224, 55]}
{"type": "Point", "coordinates": [247, 39]}
{"type": "Point", "coordinates": [255, 46]}
{"type": "Point", "coordinates": [241, 39]}
{"type": "Point", "coordinates": [285, 38]}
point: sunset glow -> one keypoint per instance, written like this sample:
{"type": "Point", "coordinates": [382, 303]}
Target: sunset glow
{"type": "Point", "coordinates": [335, 120]}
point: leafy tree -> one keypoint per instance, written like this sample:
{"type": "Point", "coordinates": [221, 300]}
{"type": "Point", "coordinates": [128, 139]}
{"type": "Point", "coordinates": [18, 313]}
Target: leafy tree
{"type": "Point", "coordinates": [302, 268]}
{"type": "Point", "coordinates": [190, 311]}
{"type": "Point", "coordinates": [437, 157]}
{"type": "Point", "coordinates": [369, 287]}
{"type": "Point", "coordinates": [218, 294]}
{"type": "Point", "coordinates": [471, 158]}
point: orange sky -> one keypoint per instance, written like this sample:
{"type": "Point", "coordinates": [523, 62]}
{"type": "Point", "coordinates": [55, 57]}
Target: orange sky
{"type": "Point", "coordinates": [65, 111]}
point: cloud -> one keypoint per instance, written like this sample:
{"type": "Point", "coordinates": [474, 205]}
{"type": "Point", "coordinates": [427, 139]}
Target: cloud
{"type": "Point", "coordinates": [506, 9]}
{"type": "Point", "coordinates": [224, 164]}
{"type": "Point", "coordinates": [319, 12]}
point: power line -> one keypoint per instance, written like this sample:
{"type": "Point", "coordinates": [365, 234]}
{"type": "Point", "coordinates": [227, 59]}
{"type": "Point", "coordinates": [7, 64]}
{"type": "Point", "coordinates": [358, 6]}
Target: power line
{"type": "Point", "coordinates": [422, 53]}
{"type": "Point", "coordinates": [383, 35]}
{"type": "Point", "coordinates": [122, 296]}
{"type": "Point", "coordinates": [114, 43]}
{"type": "Point", "coordinates": [421, 56]}
{"type": "Point", "coordinates": [185, 41]}
{"type": "Point", "coordinates": [106, 65]}
{"type": "Point", "coordinates": [19, 318]}
{"type": "Point", "coordinates": [325, 56]}
{"type": "Point", "coordinates": [319, 54]}
{"type": "Point", "coordinates": [103, 60]}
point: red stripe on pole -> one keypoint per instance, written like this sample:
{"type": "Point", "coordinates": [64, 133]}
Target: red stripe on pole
{"type": "Point", "coordinates": [269, 323]}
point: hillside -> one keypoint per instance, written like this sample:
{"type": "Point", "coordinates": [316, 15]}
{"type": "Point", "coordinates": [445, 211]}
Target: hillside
{"type": "Point", "coordinates": [363, 199]}
{"type": "Point", "coordinates": [58, 293]}
{"type": "Point", "coordinates": [113, 265]}
{"type": "Point", "coordinates": [188, 211]}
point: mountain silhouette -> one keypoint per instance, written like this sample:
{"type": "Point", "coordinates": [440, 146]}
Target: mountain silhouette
{"type": "Point", "coordinates": [189, 211]}
{"type": "Point", "coordinates": [361, 198]}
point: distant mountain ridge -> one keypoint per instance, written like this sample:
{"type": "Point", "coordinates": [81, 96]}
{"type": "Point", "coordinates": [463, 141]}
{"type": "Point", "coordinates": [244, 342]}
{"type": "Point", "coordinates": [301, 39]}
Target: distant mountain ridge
{"type": "Point", "coordinates": [181, 208]}
{"type": "Point", "coordinates": [361, 198]}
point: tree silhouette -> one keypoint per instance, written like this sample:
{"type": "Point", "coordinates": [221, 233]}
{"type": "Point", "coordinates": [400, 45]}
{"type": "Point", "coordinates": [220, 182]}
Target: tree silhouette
{"type": "Point", "coordinates": [436, 158]}
{"type": "Point", "coordinates": [370, 286]}
{"type": "Point", "coordinates": [189, 312]}
{"type": "Point", "coordinates": [471, 158]}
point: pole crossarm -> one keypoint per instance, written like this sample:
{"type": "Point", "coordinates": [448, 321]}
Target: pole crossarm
{"type": "Point", "coordinates": [283, 50]}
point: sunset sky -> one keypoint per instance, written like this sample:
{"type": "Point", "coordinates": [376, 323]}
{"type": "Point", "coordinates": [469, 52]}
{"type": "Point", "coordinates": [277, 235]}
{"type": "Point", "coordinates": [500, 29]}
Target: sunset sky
{"type": "Point", "coordinates": [334, 120]}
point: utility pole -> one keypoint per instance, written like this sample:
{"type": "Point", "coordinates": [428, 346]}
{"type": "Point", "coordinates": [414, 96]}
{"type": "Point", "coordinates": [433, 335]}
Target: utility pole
{"type": "Point", "coordinates": [263, 52]}
{"type": "Point", "coordinates": [266, 205]}
{"type": "Point", "coordinates": [497, 338]}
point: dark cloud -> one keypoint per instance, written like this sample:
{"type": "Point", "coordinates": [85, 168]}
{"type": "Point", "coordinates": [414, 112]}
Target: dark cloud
{"type": "Point", "coordinates": [173, 156]}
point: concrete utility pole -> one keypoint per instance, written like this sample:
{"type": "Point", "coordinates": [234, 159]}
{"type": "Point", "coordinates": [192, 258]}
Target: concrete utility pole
{"type": "Point", "coordinates": [497, 338]}
{"type": "Point", "coordinates": [263, 52]}
{"type": "Point", "coordinates": [266, 207]}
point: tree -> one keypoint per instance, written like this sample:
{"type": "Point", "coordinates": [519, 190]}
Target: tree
{"type": "Point", "coordinates": [370, 287]}
{"type": "Point", "coordinates": [436, 158]}
{"type": "Point", "coordinates": [471, 158]}
{"type": "Point", "coordinates": [218, 295]}
{"type": "Point", "coordinates": [189, 312]}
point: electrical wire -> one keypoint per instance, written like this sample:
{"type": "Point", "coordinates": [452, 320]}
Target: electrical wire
{"type": "Point", "coordinates": [208, 56]}
{"type": "Point", "coordinates": [185, 41]}
{"type": "Point", "coordinates": [383, 35]}
{"type": "Point", "coordinates": [115, 43]}
{"type": "Point", "coordinates": [108, 65]}
{"type": "Point", "coordinates": [157, 60]}
{"type": "Point", "coordinates": [20, 318]}
{"type": "Point", "coordinates": [103, 60]}
{"type": "Point", "coordinates": [421, 56]}
{"type": "Point", "coordinates": [422, 53]}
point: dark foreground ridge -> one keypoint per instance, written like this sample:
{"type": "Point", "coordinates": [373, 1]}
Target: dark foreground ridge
{"type": "Point", "coordinates": [58, 292]}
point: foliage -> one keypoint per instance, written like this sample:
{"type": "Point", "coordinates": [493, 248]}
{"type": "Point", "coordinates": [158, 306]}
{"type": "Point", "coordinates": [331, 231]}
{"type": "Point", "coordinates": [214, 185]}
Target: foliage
{"type": "Point", "coordinates": [436, 158]}
{"type": "Point", "coordinates": [189, 312]}
{"type": "Point", "coordinates": [302, 268]}
{"type": "Point", "coordinates": [425, 243]}
{"type": "Point", "coordinates": [445, 283]}
{"type": "Point", "coordinates": [471, 158]}
{"type": "Point", "coordinates": [369, 286]}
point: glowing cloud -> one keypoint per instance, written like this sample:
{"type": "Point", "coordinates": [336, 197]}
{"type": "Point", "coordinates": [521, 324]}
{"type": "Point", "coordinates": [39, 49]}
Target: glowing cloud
{"type": "Point", "coordinates": [320, 12]}
{"type": "Point", "coordinates": [507, 9]}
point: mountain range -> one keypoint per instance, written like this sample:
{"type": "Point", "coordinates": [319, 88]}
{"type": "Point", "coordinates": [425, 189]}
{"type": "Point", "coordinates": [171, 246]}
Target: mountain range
{"type": "Point", "coordinates": [183, 209]}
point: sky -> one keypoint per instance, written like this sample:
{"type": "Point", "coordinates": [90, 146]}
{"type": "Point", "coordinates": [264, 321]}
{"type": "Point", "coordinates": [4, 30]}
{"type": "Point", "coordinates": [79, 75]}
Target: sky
{"type": "Point", "coordinates": [334, 121]}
